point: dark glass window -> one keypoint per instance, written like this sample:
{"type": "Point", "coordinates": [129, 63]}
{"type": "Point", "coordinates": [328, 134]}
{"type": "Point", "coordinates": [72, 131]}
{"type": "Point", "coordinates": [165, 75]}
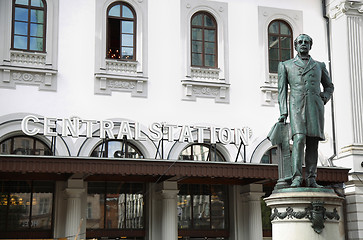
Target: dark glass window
{"type": "Point", "coordinates": [280, 45]}
{"type": "Point", "coordinates": [115, 206]}
{"type": "Point", "coordinates": [121, 32]}
{"type": "Point", "coordinates": [203, 208]}
{"type": "Point", "coordinates": [270, 156]}
{"type": "Point", "coordinates": [29, 18]}
{"type": "Point", "coordinates": [24, 145]}
{"type": "Point", "coordinates": [26, 206]}
{"type": "Point", "coordinates": [117, 149]}
{"type": "Point", "coordinates": [201, 152]}
{"type": "Point", "coordinates": [204, 40]}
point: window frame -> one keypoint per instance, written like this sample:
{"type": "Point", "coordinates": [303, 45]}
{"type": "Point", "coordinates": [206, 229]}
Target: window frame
{"type": "Point", "coordinates": [31, 232]}
{"type": "Point", "coordinates": [280, 48]}
{"type": "Point", "coordinates": [125, 144]}
{"type": "Point", "coordinates": [205, 232]}
{"type": "Point", "coordinates": [28, 36]}
{"type": "Point", "coordinates": [203, 28]}
{"type": "Point", "coordinates": [32, 150]}
{"type": "Point", "coordinates": [212, 149]}
{"type": "Point", "coordinates": [121, 19]}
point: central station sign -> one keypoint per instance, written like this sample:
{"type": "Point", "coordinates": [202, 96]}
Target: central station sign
{"type": "Point", "coordinates": [131, 130]}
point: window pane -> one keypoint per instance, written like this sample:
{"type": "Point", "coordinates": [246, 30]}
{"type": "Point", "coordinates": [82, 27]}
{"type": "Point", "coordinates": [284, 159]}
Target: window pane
{"type": "Point", "coordinates": [23, 146]}
{"type": "Point", "coordinates": [36, 30]}
{"type": "Point", "coordinates": [21, 14]}
{"type": "Point", "coordinates": [127, 53]}
{"type": "Point", "coordinates": [42, 210]}
{"type": "Point", "coordinates": [273, 66]}
{"type": "Point", "coordinates": [209, 60]}
{"type": "Point", "coordinates": [37, 16]}
{"type": "Point", "coordinates": [284, 29]}
{"type": "Point", "coordinates": [197, 34]}
{"type": "Point", "coordinates": [20, 42]}
{"type": "Point", "coordinates": [273, 41]}
{"type": "Point", "coordinates": [36, 44]}
{"type": "Point", "coordinates": [218, 209]}
{"type": "Point", "coordinates": [184, 211]}
{"type": "Point", "coordinates": [201, 211]}
{"type": "Point", "coordinates": [197, 47]}
{"type": "Point", "coordinates": [126, 12]}
{"type": "Point", "coordinates": [114, 11]}
{"type": "Point", "coordinates": [209, 35]}
{"type": "Point", "coordinates": [197, 20]}
{"type": "Point", "coordinates": [208, 21]}
{"type": "Point", "coordinates": [209, 48]}
{"type": "Point", "coordinates": [286, 54]}
{"type": "Point", "coordinates": [19, 210]}
{"type": "Point", "coordinates": [127, 27]}
{"type": "Point", "coordinates": [127, 40]}
{"type": "Point", "coordinates": [285, 42]}
{"type": "Point", "coordinates": [134, 211]}
{"type": "Point", "coordinates": [274, 53]}
{"type": "Point", "coordinates": [96, 218]}
{"type": "Point", "coordinates": [274, 27]}
{"type": "Point", "coordinates": [200, 153]}
{"type": "Point", "coordinates": [21, 2]}
{"type": "Point", "coordinates": [42, 149]}
{"type": "Point", "coordinates": [37, 3]}
{"type": "Point", "coordinates": [196, 59]}
{"type": "Point", "coordinates": [21, 28]}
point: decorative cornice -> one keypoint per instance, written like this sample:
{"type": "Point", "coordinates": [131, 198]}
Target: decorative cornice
{"type": "Point", "coordinates": [346, 7]}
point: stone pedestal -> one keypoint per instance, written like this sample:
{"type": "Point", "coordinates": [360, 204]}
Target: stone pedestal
{"type": "Point", "coordinates": [305, 214]}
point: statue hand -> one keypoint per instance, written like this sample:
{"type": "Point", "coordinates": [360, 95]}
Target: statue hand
{"type": "Point", "coordinates": [283, 118]}
{"type": "Point", "coordinates": [324, 97]}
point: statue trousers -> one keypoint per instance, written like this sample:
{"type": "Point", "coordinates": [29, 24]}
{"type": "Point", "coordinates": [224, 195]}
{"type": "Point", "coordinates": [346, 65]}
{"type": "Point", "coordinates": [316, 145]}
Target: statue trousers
{"type": "Point", "coordinates": [311, 156]}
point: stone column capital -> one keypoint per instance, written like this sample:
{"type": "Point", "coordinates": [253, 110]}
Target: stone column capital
{"type": "Point", "coordinates": [346, 7]}
{"type": "Point", "coordinates": [74, 192]}
{"type": "Point", "coordinates": [169, 194]}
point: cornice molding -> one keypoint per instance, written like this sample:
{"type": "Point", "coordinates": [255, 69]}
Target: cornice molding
{"type": "Point", "coordinates": [347, 8]}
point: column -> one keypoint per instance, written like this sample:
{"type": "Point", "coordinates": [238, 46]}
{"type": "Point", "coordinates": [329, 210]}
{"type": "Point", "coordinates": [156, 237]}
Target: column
{"type": "Point", "coordinates": [251, 211]}
{"type": "Point", "coordinates": [169, 220]}
{"type": "Point", "coordinates": [74, 221]}
{"type": "Point", "coordinates": [346, 19]}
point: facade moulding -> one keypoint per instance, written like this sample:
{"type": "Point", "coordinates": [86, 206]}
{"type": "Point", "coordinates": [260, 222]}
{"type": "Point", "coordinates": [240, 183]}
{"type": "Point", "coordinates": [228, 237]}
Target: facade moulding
{"type": "Point", "coordinates": [345, 7]}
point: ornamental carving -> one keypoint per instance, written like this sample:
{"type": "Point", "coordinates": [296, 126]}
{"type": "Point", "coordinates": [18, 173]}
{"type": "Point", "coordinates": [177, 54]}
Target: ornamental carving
{"type": "Point", "coordinates": [205, 91]}
{"type": "Point", "coordinates": [22, 58]}
{"type": "Point", "coordinates": [27, 77]}
{"type": "Point", "coordinates": [316, 213]}
{"type": "Point", "coordinates": [204, 74]}
{"type": "Point", "coordinates": [121, 66]}
{"type": "Point", "coordinates": [346, 7]}
{"type": "Point", "coordinates": [115, 84]}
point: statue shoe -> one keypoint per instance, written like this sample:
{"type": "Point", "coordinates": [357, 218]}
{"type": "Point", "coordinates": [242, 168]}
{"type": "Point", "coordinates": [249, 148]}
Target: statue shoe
{"type": "Point", "coordinates": [310, 182]}
{"type": "Point", "coordinates": [296, 182]}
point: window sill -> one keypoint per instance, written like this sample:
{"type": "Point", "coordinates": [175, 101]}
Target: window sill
{"type": "Point", "coordinates": [217, 90]}
{"type": "Point", "coordinates": [27, 68]}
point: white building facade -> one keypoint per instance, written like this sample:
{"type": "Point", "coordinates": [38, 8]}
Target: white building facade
{"type": "Point", "coordinates": [147, 119]}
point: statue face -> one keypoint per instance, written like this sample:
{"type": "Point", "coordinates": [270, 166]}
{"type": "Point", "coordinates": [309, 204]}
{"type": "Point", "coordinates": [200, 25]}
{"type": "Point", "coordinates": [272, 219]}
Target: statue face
{"type": "Point", "coordinates": [303, 44]}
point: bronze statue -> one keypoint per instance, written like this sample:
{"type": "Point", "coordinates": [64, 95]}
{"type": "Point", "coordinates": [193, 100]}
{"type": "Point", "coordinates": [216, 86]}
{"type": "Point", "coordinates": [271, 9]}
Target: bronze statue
{"type": "Point", "coordinates": [306, 103]}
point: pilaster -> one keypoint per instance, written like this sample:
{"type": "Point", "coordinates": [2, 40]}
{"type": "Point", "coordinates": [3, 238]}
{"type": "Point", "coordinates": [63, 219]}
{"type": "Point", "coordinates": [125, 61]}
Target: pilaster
{"type": "Point", "coordinates": [169, 224]}
{"type": "Point", "coordinates": [251, 211]}
{"type": "Point", "coordinates": [74, 221]}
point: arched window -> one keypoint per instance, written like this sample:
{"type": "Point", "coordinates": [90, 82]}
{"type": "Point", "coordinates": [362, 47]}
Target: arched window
{"type": "Point", "coordinates": [280, 46]}
{"type": "Point", "coordinates": [117, 149]}
{"type": "Point", "coordinates": [24, 145]}
{"type": "Point", "coordinates": [204, 40]}
{"type": "Point", "coordinates": [201, 152]}
{"type": "Point", "coordinates": [28, 31]}
{"type": "Point", "coordinates": [121, 32]}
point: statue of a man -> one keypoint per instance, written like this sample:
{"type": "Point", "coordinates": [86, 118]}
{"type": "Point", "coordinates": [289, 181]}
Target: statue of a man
{"type": "Point", "coordinates": [306, 103]}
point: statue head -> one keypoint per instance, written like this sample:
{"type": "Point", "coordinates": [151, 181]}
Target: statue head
{"type": "Point", "coordinates": [303, 43]}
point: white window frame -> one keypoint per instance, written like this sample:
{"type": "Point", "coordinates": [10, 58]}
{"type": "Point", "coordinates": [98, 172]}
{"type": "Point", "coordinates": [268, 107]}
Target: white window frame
{"type": "Point", "coordinates": [266, 15]}
{"type": "Point", "coordinates": [117, 75]}
{"type": "Point", "coordinates": [200, 81]}
{"type": "Point", "coordinates": [19, 67]}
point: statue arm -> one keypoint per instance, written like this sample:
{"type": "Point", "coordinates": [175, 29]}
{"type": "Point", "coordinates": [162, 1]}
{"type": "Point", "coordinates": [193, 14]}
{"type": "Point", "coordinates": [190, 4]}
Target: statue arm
{"type": "Point", "coordinates": [283, 91]}
{"type": "Point", "coordinates": [327, 84]}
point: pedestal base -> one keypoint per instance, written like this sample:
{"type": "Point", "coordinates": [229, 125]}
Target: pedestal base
{"type": "Point", "coordinates": [305, 214]}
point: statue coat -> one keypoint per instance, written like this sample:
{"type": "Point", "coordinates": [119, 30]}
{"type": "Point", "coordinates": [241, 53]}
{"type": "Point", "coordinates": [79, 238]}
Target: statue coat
{"type": "Point", "coordinates": [306, 103]}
